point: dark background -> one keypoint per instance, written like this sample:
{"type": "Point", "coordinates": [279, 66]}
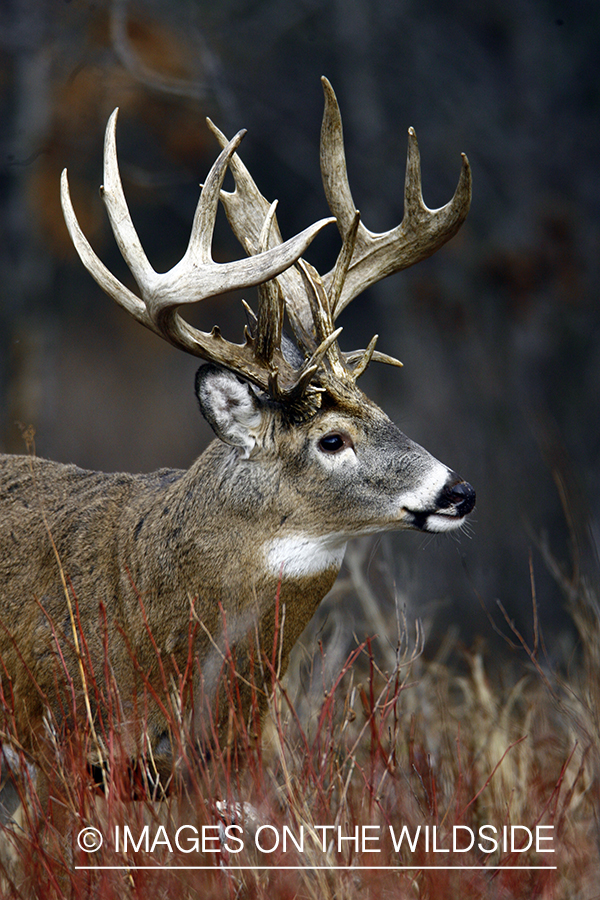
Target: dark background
{"type": "Point", "coordinates": [499, 332]}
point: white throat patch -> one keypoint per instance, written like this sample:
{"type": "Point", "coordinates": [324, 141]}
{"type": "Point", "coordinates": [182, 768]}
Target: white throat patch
{"type": "Point", "coordinates": [302, 555]}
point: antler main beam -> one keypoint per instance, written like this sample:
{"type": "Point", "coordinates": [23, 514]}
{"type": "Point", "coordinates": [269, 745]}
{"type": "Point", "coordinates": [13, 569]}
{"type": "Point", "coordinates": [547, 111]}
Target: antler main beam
{"type": "Point", "coordinates": [195, 277]}
{"type": "Point", "coordinates": [421, 232]}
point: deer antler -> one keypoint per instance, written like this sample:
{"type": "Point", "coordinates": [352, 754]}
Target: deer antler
{"type": "Point", "coordinates": [421, 232]}
{"type": "Point", "coordinates": [365, 257]}
{"type": "Point", "coordinates": [286, 282]}
{"type": "Point", "coordinates": [195, 276]}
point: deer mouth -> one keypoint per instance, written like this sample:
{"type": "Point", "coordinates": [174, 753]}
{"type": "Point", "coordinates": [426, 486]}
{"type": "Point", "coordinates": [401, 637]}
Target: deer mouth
{"type": "Point", "coordinates": [454, 503]}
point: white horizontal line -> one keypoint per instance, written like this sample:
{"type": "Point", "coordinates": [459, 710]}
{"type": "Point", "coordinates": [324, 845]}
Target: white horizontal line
{"type": "Point", "coordinates": [308, 868]}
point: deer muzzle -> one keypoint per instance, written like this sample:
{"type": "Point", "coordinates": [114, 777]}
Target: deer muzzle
{"type": "Point", "coordinates": [454, 502]}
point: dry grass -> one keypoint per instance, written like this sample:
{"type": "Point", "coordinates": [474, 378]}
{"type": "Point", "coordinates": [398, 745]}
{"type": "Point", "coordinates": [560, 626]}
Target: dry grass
{"type": "Point", "coordinates": [426, 745]}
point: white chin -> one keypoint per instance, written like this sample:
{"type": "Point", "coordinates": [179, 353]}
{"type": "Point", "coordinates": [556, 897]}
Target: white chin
{"type": "Point", "coordinates": [437, 522]}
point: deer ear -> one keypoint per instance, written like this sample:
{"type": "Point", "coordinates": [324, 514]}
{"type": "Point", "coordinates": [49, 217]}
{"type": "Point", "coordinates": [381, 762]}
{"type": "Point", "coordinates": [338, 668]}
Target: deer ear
{"type": "Point", "coordinates": [229, 406]}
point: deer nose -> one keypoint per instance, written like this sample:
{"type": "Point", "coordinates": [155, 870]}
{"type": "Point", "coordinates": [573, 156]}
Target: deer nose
{"type": "Point", "coordinates": [460, 495]}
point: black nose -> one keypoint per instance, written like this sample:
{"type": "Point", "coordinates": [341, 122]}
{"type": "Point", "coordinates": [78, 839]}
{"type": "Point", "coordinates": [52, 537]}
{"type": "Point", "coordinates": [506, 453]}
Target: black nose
{"type": "Point", "coordinates": [460, 495]}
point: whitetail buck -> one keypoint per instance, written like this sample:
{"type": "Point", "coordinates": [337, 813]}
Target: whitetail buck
{"type": "Point", "coordinates": [302, 461]}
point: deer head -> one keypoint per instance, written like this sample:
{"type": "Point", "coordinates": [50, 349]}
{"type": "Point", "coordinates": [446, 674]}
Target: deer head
{"type": "Point", "coordinates": [312, 376]}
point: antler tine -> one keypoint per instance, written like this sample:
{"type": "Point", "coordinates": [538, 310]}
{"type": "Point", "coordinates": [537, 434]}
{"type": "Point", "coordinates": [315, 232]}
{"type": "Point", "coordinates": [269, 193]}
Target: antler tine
{"type": "Point", "coordinates": [422, 230]}
{"type": "Point", "coordinates": [246, 209]}
{"type": "Point", "coordinates": [118, 212]}
{"type": "Point", "coordinates": [103, 276]}
{"type": "Point", "coordinates": [323, 321]}
{"type": "Point", "coordinates": [192, 279]}
{"type": "Point", "coordinates": [342, 264]}
{"type": "Point", "coordinates": [271, 305]}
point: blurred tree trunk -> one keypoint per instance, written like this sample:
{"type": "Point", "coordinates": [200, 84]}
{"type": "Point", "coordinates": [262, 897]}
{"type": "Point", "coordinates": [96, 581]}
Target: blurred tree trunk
{"type": "Point", "coordinates": [27, 265]}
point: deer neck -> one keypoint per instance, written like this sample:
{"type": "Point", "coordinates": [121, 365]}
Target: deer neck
{"type": "Point", "coordinates": [218, 536]}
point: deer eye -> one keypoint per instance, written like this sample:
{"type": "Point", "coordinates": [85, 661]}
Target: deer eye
{"type": "Point", "coordinates": [334, 442]}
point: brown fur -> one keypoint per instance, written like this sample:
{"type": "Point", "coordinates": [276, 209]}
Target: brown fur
{"type": "Point", "coordinates": [139, 552]}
